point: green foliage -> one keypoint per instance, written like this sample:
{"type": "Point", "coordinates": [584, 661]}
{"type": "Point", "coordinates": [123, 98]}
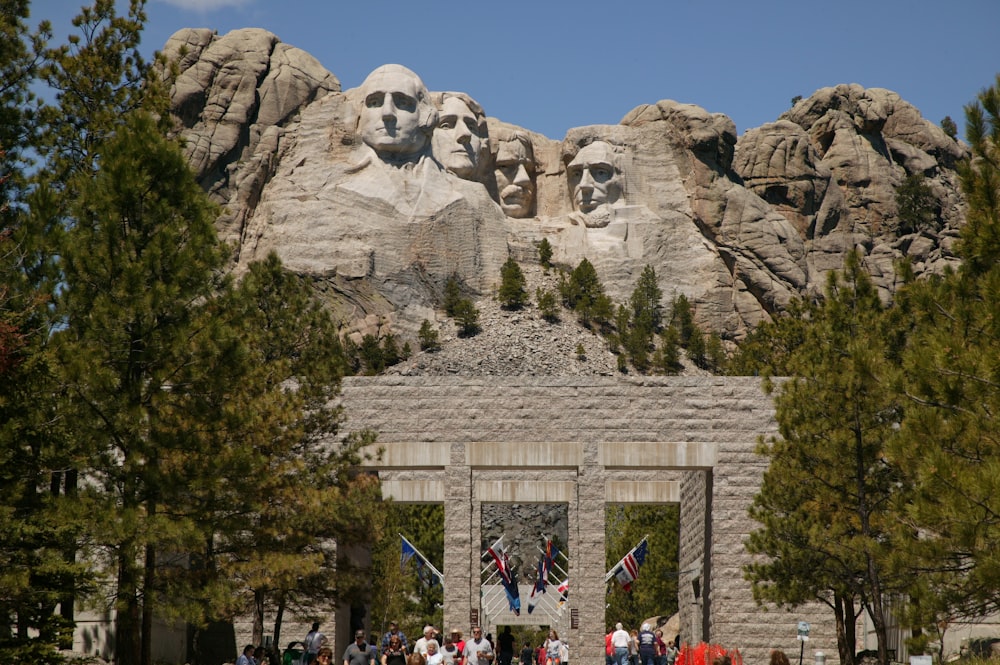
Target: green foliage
{"type": "Point", "coordinates": [654, 593]}
{"type": "Point", "coordinates": [513, 294]}
{"type": "Point", "coordinates": [144, 356]}
{"type": "Point", "coordinates": [768, 348]}
{"type": "Point", "coordinates": [398, 594]}
{"type": "Point", "coordinates": [547, 304]}
{"type": "Point", "coordinates": [452, 295]}
{"type": "Point", "coordinates": [668, 356]}
{"type": "Point", "coordinates": [796, 99]}
{"type": "Point", "coordinates": [682, 318]}
{"type": "Point", "coordinates": [980, 178]}
{"type": "Point", "coordinates": [100, 79]}
{"type": "Point", "coordinates": [428, 337]}
{"type": "Point", "coordinates": [949, 127]}
{"type": "Point", "coordinates": [825, 505]}
{"type": "Point", "coordinates": [581, 353]}
{"type": "Point", "coordinates": [467, 318]}
{"type": "Point", "coordinates": [583, 293]}
{"type": "Point", "coordinates": [916, 204]}
{"type": "Point", "coordinates": [949, 375]}
{"type": "Point", "coordinates": [302, 495]}
{"type": "Point", "coordinates": [545, 253]}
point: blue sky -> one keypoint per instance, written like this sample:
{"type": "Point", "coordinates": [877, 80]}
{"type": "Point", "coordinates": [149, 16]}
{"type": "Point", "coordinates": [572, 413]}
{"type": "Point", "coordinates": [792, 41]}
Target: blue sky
{"type": "Point", "coordinates": [550, 65]}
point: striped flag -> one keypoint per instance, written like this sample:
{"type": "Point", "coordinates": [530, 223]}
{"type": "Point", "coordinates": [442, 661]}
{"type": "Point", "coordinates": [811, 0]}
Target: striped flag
{"type": "Point", "coordinates": [627, 570]}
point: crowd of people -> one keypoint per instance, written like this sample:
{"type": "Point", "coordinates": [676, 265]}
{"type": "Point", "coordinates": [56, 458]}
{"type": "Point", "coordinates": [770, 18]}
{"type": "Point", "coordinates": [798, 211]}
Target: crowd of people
{"type": "Point", "coordinates": [644, 646]}
{"type": "Point", "coordinates": [639, 647]}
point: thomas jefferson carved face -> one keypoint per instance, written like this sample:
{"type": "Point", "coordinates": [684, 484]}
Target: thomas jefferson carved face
{"type": "Point", "coordinates": [396, 115]}
{"type": "Point", "coordinates": [458, 138]}
{"type": "Point", "coordinates": [515, 175]}
{"type": "Point", "coordinates": [594, 177]}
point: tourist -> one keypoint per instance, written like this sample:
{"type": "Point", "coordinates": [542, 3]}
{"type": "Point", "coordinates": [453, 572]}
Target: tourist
{"type": "Point", "coordinates": [434, 656]}
{"type": "Point", "coordinates": [620, 641]}
{"type": "Point", "coordinates": [359, 653]}
{"type": "Point", "coordinates": [478, 650]}
{"type": "Point", "coordinates": [527, 654]}
{"type": "Point", "coordinates": [393, 630]}
{"type": "Point", "coordinates": [421, 645]}
{"type": "Point", "coordinates": [633, 647]}
{"type": "Point", "coordinates": [553, 649]}
{"type": "Point", "coordinates": [647, 645]}
{"type": "Point", "coordinates": [661, 648]}
{"type": "Point", "coordinates": [505, 641]}
{"type": "Point", "coordinates": [778, 657]}
{"type": "Point", "coordinates": [324, 656]}
{"type": "Point", "coordinates": [313, 642]}
{"type": "Point", "coordinates": [395, 652]}
{"type": "Point", "coordinates": [450, 651]}
{"type": "Point", "coordinates": [246, 658]}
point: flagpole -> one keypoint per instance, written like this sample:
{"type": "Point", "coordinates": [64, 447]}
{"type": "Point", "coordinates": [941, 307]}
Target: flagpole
{"type": "Point", "coordinates": [425, 559]}
{"type": "Point", "coordinates": [611, 573]}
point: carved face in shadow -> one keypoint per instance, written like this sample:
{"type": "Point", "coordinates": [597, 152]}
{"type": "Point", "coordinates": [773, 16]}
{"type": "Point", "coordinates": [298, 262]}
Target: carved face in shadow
{"type": "Point", "coordinates": [594, 178]}
{"type": "Point", "coordinates": [394, 114]}
{"type": "Point", "coordinates": [515, 175]}
{"type": "Point", "coordinates": [458, 138]}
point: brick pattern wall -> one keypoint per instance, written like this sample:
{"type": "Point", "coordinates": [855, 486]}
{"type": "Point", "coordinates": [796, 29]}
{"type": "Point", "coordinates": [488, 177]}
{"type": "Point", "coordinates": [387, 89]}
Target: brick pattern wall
{"type": "Point", "coordinates": [728, 413]}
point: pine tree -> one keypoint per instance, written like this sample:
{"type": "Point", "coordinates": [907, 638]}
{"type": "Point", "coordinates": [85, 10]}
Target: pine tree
{"type": "Point", "coordinates": [949, 378]}
{"type": "Point", "coordinates": [583, 293]}
{"type": "Point", "coordinates": [467, 317]}
{"type": "Point", "coordinates": [452, 295]}
{"type": "Point", "coordinates": [682, 317]}
{"type": "Point", "coordinates": [545, 253]}
{"type": "Point", "coordinates": [513, 294]}
{"type": "Point", "coordinates": [547, 304]}
{"type": "Point", "coordinates": [428, 337]}
{"type": "Point", "coordinates": [303, 497]}
{"type": "Point", "coordinates": [917, 207]}
{"type": "Point", "coordinates": [140, 355]}
{"type": "Point", "coordinates": [826, 503]}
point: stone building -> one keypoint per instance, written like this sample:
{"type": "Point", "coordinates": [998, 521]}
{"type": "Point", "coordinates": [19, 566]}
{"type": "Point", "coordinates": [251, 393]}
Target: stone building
{"type": "Point", "coordinates": [587, 442]}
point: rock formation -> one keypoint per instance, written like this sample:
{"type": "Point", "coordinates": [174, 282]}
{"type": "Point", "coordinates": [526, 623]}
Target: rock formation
{"type": "Point", "coordinates": [383, 192]}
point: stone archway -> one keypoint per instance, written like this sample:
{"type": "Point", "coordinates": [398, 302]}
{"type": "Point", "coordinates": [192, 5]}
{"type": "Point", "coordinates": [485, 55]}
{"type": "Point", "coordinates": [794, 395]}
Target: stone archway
{"type": "Point", "coordinates": [587, 442]}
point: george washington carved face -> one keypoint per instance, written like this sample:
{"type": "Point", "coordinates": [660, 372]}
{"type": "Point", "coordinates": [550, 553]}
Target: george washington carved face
{"type": "Point", "coordinates": [396, 116]}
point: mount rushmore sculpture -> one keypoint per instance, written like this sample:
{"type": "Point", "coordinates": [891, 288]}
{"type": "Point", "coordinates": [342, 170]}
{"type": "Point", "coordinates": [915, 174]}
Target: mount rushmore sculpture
{"type": "Point", "coordinates": [383, 192]}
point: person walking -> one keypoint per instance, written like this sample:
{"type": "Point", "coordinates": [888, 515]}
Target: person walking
{"type": "Point", "coordinates": [359, 653]}
{"type": "Point", "coordinates": [313, 642]}
{"type": "Point", "coordinates": [620, 641]}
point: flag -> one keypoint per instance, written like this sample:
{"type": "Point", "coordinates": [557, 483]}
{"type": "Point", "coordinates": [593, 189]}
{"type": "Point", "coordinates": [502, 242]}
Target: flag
{"type": "Point", "coordinates": [427, 573]}
{"type": "Point", "coordinates": [564, 591]}
{"type": "Point", "coordinates": [507, 576]}
{"type": "Point", "coordinates": [627, 570]}
{"type": "Point", "coordinates": [545, 565]}
{"type": "Point", "coordinates": [539, 587]}
{"type": "Point", "coordinates": [551, 552]}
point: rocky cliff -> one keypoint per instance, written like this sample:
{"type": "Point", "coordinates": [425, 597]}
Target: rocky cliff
{"type": "Point", "coordinates": [381, 193]}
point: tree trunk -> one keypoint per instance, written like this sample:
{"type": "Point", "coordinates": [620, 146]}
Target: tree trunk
{"type": "Point", "coordinates": [845, 635]}
{"type": "Point", "coordinates": [127, 623]}
{"type": "Point", "coordinates": [147, 604]}
{"type": "Point", "coordinates": [258, 616]}
{"type": "Point", "coordinates": [278, 617]}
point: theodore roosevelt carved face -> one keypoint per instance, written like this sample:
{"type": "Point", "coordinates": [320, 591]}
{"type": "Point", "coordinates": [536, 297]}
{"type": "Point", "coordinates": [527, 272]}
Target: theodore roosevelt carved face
{"type": "Point", "coordinates": [515, 174]}
{"type": "Point", "coordinates": [460, 137]}
{"type": "Point", "coordinates": [397, 117]}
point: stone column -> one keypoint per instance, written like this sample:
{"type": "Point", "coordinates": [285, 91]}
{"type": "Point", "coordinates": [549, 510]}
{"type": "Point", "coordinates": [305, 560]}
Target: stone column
{"type": "Point", "coordinates": [586, 587]}
{"type": "Point", "coordinates": [460, 538]}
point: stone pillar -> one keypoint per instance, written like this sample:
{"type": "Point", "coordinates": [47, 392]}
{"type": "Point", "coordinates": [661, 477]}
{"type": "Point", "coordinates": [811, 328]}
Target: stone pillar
{"type": "Point", "coordinates": [587, 589]}
{"type": "Point", "coordinates": [461, 536]}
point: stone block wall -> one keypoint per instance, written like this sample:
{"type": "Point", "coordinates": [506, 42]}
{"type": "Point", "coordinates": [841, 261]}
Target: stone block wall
{"type": "Point", "coordinates": [702, 431]}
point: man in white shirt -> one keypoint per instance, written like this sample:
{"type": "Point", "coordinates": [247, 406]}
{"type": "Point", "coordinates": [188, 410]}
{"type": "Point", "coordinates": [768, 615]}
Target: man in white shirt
{"type": "Point", "coordinates": [478, 650]}
{"type": "Point", "coordinates": [619, 641]}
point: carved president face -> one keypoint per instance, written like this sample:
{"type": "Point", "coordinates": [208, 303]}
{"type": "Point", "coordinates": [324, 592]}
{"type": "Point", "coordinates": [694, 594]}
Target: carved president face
{"type": "Point", "coordinates": [396, 115]}
{"type": "Point", "coordinates": [594, 178]}
{"type": "Point", "coordinates": [515, 175]}
{"type": "Point", "coordinates": [458, 138]}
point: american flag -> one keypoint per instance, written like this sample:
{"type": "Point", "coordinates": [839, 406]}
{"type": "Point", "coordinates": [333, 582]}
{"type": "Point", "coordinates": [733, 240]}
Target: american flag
{"type": "Point", "coordinates": [627, 570]}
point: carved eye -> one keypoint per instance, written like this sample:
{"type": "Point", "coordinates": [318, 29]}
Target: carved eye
{"type": "Point", "coordinates": [404, 102]}
{"type": "Point", "coordinates": [447, 122]}
{"type": "Point", "coordinates": [374, 100]}
{"type": "Point", "coordinates": [473, 127]}
{"type": "Point", "coordinates": [600, 173]}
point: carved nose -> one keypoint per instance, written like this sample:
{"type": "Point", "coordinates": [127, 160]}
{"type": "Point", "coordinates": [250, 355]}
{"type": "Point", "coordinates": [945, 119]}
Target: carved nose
{"type": "Point", "coordinates": [521, 176]}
